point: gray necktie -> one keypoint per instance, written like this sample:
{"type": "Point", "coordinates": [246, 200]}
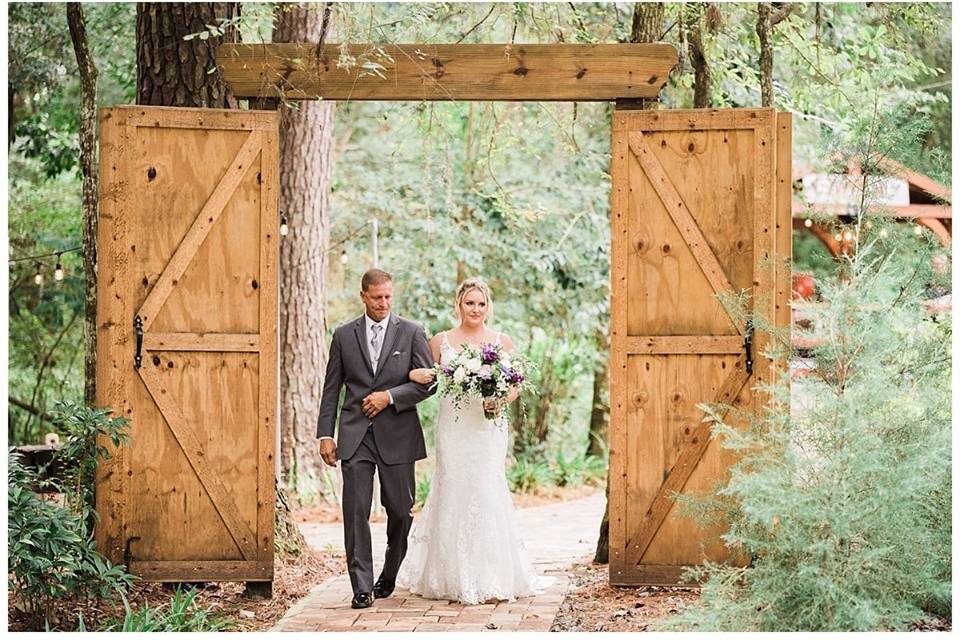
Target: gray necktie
{"type": "Point", "coordinates": [375, 345]}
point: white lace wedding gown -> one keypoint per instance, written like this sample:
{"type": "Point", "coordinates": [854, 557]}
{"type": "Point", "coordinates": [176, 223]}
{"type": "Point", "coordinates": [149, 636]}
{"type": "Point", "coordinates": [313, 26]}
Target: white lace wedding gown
{"type": "Point", "coordinates": [465, 545]}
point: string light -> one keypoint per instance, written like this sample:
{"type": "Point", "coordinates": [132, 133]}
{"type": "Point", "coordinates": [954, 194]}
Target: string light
{"type": "Point", "coordinates": [847, 235]}
{"type": "Point", "coordinates": [838, 237]}
{"type": "Point", "coordinates": [808, 223]}
{"type": "Point", "coordinates": [343, 257]}
{"type": "Point", "coordinates": [58, 272]}
{"type": "Point", "coordinates": [38, 279]}
{"type": "Point", "coordinates": [284, 229]}
{"type": "Point", "coordinates": [917, 229]}
{"type": "Point", "coordinates": [884, 233]}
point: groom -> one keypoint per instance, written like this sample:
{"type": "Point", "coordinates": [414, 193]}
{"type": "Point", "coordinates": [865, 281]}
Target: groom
{"type": "Point", "coordinates": [379, 429]}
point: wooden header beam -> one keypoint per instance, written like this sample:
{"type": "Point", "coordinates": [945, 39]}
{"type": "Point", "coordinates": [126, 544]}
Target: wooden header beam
{"type": "Point", "coordinates": [534, 72]}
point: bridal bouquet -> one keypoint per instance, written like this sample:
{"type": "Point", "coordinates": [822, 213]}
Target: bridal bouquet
{"type": "Point", "coordinates": [485, 372]}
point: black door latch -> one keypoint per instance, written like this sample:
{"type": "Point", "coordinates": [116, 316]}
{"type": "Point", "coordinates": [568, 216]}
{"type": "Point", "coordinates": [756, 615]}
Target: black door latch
{"type": "Point", "coordinates": [138, 328]}
{"type": "Point", "coordinates": [748, 346]}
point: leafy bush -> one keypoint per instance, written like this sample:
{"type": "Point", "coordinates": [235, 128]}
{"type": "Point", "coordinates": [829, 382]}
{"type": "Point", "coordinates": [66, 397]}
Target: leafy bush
{"type": "Point", "coordinates": [845, 505]}
{"type": "Point", "coordinates": [80, 452]}
{"type": "Point", "coordinates": [578, 469]}
{"type": "Point", "coordinates": [50, 555]}
{"type": "Point", "coordinates": [528, 473]}
{"type": "Point", "coordinates": [181, 614]}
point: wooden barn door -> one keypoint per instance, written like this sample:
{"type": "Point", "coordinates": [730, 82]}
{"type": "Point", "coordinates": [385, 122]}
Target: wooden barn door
{"type": "Point", "coordinates": [187, 340]}
{"type": "Point", "coordinates": [700, 218]}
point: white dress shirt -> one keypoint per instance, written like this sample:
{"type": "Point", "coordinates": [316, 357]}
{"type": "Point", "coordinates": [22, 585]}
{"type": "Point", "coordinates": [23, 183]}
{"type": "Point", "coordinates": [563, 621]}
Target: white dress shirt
{"type": "Point", "coordinates": [374, 357]}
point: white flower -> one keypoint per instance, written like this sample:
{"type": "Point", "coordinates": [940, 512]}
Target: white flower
{"type": "Point", "coordinates": [484, 371]}
{"type": "Point", "coordinates": [473, 364]}
{"type": "Point", "coordinates": [459, 375]}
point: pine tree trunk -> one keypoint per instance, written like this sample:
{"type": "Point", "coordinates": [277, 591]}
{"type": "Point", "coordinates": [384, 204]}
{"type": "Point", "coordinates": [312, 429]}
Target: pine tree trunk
{"type": "Point", "coordinates": [305, 175]}
{"type": "Point", "coordinates": [90, 172]}
{"type": "Point", "coordinates": [764, 31]}
{"type": "Point", "coordinates": [175, 72]}
{"type": "Point", "coordinates": [600, 409]}
{"type": "Point", "coordinates": [647, 22]}
{"type": "Point", "coordinates": [701, 70]}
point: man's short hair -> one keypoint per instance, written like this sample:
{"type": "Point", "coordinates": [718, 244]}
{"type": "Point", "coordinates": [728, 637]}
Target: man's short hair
{"type": "Point", "coordinates": [375, 277]}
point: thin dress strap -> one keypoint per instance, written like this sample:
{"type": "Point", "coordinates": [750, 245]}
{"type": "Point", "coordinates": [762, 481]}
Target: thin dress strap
{"type": "Point", "coordinates": [498, 337]}
{"type": "Point", "coordinates": [445, 342]}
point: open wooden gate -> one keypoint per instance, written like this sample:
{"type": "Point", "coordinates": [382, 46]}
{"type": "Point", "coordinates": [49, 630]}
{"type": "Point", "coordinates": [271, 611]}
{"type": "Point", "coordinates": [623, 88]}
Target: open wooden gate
{"type": "Point", "coordinates": [187, 340]}
{"type": "Point", "coordinates": [701, 207]}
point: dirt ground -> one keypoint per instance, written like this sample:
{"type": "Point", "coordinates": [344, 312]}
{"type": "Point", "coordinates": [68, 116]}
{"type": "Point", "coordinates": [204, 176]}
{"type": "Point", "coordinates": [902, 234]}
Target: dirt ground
{"type": "Point", "coordinates": [593, 605]}
{"type": "Point", "coordinates": [294, 577]}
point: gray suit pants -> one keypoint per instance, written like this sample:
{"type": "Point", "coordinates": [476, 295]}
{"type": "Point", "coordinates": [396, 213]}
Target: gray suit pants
{"type": "Point", "coordinates": [397, 488]}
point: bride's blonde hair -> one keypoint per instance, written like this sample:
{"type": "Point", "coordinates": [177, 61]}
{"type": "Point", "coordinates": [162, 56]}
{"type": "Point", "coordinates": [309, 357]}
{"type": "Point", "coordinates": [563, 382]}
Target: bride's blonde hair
{"type": "Point", "coordinates": [468, 285]}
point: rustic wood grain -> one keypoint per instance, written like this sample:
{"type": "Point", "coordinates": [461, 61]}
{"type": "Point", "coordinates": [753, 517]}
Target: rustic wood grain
{"type": "Point", "coordinates": [540, 72]}
{"type": "Point", "coordinates": [693, 214]}
{"type": "Point", "coordinates": [188, 341]}
{"type": "Point", "coordinates": [203, 223]}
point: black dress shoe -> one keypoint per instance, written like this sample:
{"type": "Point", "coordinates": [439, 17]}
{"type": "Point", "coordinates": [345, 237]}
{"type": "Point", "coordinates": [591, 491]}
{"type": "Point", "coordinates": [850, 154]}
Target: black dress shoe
{"type": "Point", "coordinates": [383, 588]}
{"type": "Point", "coordinates": [361, 600]}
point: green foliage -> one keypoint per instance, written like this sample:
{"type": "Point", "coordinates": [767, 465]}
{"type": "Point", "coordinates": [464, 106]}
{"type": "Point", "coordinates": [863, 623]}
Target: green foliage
{"type": "Point", "coordinates": [844, 504]}
{"type": "Point", "coordinates": [423, 490]}
{"type": "Point", "coordinates": [578, 469]}
{"type": "Point", "coordinates": [528, 473]}
{"type": "Point", "coordinates": [50, 556]}
{"type": "Point", "coordinates": [181, 614]}
{"type": "Point", "coordinates": [80, 452]}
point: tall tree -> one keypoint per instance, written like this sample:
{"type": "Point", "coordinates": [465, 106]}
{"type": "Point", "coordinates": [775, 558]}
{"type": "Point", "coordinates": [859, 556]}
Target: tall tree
{"type": "Point", "coordinates": [769, 15]}
{"type": "Point", "coordinates": [172, 71]}
{"type": "Point", "coordinates": [305, 178]}
{"type": "Point", "coordinates": [90, 173]}
{"type": "Point", "coordinates": [693, 28]}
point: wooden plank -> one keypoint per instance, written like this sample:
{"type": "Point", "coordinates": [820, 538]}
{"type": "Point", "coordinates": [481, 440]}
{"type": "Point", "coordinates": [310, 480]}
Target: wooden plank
{"type": "Point", "coordinates": [619, 211]}
{"type": "Point", "coordinates": [763, 294]}
{"type": "Point", "coordinates": [115, 347]}
{"type": "Point", "coordinates": [698, 119]}
{"type": "Point", "coordinates": [186, 341]}
{"type": "Point", "coordinates": [784, 233]}
{"type": "Point", "coordinates": [205, 220]}
{"type": "Point", "coordinates": [687, 460]}
{"type": "Point", "coordinates": [207, 119]}
{"type": "Point", "coordinates": [540, 72]}
{"type": "Point", "coordinates": [202, 570]}
{"type": "Point", "coordinates": [684, 220]}
{"type": "Point", "coordinates": [195, 453]}
{"type": "Point", "coordinates": [269, 381]}
{"type": "Point", "coordinates": [661, 575]}
{"type": "Point", "coordinates": [684, 344]}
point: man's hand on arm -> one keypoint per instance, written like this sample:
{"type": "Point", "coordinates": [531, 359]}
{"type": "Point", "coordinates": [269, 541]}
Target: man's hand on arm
{"type": "Point", "coordinates": [376, 402]}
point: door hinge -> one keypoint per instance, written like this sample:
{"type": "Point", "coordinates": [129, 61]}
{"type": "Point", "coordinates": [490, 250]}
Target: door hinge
{"type": "Point", "coordinates": [138, 328]}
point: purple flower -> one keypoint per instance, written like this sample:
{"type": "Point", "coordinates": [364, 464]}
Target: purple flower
{"type": "Point", "coordinates": [447, 371]}
{"type": "Point", "coordinates": [489, 354]}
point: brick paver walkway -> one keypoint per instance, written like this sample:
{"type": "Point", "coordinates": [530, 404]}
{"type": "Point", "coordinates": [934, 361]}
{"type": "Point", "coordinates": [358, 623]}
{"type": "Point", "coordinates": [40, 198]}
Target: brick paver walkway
{"type": "Point", "coordinates": [556, 536]}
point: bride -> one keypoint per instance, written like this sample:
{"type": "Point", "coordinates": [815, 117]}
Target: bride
{"type": "Point", "coordinates": [465, 545]}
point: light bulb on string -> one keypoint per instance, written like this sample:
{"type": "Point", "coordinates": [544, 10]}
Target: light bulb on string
{"type": "Point", "coordinates": [58, 272]}
{"type": "Point", "coordinates": [38, 278]}
{"type": "Point", "coordinates": [284, 229]}
{"type": "Point", "coordinates": [838, 237]}
{"type": "Point", "coordinates": [884, 233]}
{"type": "Point", "coordinates": [808, 223]}
{"type": "Point", "coordinates": [917, 229]}
{"type": "Point", "coordinates": [343, 257]}
{"type": "Point", "coordinates": [847, 235]}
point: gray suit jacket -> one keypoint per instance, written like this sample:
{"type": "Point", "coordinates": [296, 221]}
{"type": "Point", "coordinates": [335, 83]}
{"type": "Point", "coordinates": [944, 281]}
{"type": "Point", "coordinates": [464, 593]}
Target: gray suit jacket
{"type": "Point", "coordinates": [397, 428]}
